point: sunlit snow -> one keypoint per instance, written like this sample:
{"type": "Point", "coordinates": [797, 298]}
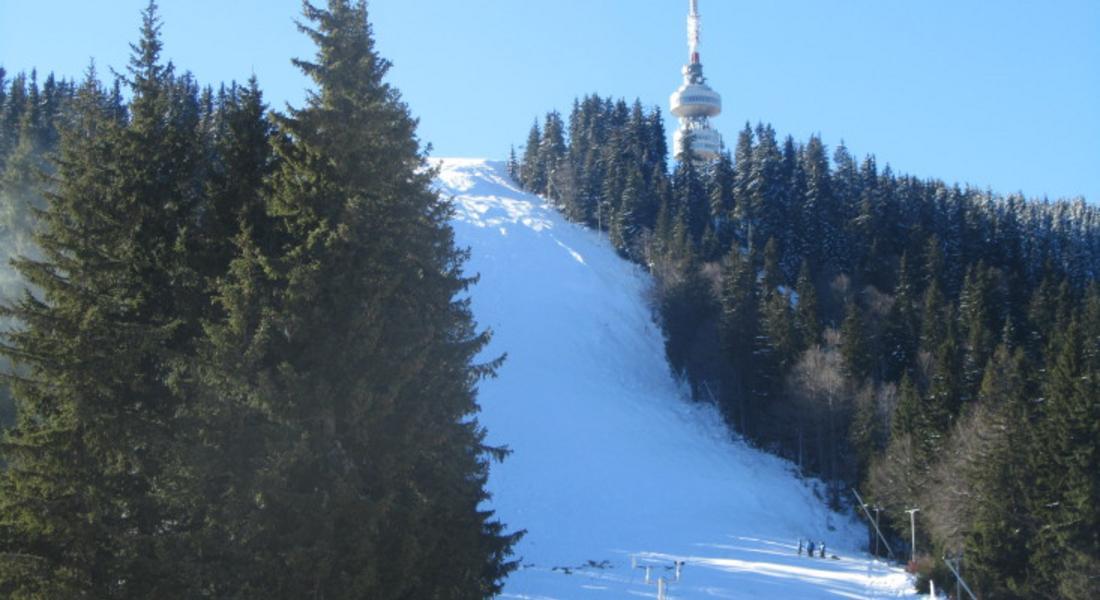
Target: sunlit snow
{"type": "Point", "coordinates": [613, 468]}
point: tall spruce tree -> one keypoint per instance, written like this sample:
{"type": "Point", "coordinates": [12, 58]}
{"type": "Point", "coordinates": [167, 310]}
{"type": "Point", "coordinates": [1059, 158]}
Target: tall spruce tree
{"type": "Point", "coordinates": [217, 455]}
{"type": "Point", "coordinates": [350, 348]}
{"type": "Point", "coordinates": [738, 328]}
{"type": "Point", "coordinates": [238, 163]}
{"type": "Point", "coordinates": [776, 338]}
{"type": "Point", "coordinates": [901, 329]}
{"type": "Point", "coordinates": [855, 344]}
{"type": "Point", "coordinates": [82, 512]}
{"type": "Point", "coordinates": [807, 318]}
{"type": "Point", "coordinates": [997, 542]}
{"type": "Point", "coordinates": [532, 171]}
{"type": "Point", "coordinates": [1065, 460]}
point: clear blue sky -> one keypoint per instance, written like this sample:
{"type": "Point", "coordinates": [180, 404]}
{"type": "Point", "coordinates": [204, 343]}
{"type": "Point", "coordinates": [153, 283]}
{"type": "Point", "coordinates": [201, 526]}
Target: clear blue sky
{"type": "Point", "coordinates": [1001, 94]}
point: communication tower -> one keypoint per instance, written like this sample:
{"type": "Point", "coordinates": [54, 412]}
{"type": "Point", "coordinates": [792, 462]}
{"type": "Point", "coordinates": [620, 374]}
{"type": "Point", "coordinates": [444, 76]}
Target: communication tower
{"type": "Point", "coordinates": [695, 102]}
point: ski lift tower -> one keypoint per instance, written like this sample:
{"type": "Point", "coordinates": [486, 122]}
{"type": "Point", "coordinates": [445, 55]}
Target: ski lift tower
{"type": "Point", "coordinates": [695, 102]}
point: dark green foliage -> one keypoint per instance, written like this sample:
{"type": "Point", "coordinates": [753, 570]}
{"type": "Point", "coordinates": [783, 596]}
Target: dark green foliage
{"type": "Point", "coordinates": [246, 368]}
{"type": "Point", "coordinates": [900, 331]}
{"type": "Point", "coordinates": [689, 197]}
{"type": "Point", "coordinates": [7, 406]}
{"type": "Point", "coordinates": [30, 118]}
{"type": "Point", "coordinates": [980, 308]}
{"type": "Point", "coordinates": [551, 158]}
{"type": "Point", "coordinates": [1066, 456]}
{"type": "Point", "coordinates": [945, 393]}
{"type": "Point", "coordinates": [807, 316]}
{"type": "Point", "coordinates": [606, 169]}
{"type": "Point", "coordinates": [908, 416]}
{"type": "Point", "coordinates": [721, 198]}
{"type": "Point", "coordinates": [345, 345]}
{"type": "Point", "coordinates": [101, 344]}
{"type": "Point", "coordinates": [513, 165]}
{"type": "Point", "coordinates": [686, 306]}
{"type": "Point", "coordinates": [240, 161]}
{"type": "Point", "coordinates": [998, 540]}
{"type": "Point", "coordinates": [855, 345]}
{"type": "Point", "coordinates": [821, 228]}
{"type": "Point", "coordinates": [738, 325]}
{"type": "Point", "coordinates": [532, 171]}
{"type": "Point", "coordinates": [778, 338]}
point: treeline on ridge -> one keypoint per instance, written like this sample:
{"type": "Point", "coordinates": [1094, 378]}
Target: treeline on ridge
{"type": "Point", "coordinates": [936, 346]}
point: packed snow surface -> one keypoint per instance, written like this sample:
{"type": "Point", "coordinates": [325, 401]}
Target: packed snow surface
{"type": "Point", "coordinates": [613, 468]}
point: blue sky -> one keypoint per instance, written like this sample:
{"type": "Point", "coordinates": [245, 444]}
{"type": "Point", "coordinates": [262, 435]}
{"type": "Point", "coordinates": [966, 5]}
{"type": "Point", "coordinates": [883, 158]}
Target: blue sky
{"type": "Point", "coordinates": [1000, 94]}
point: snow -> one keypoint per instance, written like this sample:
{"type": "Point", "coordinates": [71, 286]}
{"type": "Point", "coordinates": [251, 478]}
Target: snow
{"type": "Point", "coordinates": [612, 465]}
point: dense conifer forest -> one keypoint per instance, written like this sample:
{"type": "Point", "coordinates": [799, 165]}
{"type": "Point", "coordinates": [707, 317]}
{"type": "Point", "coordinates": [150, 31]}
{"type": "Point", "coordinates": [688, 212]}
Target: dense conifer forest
{"type": "Point", "coordinates": [935, 346]}
{"type": "Point", "coordinates": [239, 361]}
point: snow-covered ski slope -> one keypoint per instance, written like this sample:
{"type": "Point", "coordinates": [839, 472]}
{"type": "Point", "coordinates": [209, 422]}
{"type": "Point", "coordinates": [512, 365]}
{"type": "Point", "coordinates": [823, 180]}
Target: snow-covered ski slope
{"type": "Point", "coordinates": [611, 464]}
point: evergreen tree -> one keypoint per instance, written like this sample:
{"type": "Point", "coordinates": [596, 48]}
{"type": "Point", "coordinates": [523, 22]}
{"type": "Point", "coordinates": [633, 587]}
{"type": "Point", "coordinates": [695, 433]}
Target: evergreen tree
{"type": "Point", "coordinates": [551, 157]}
{"type": "Point", "coordinates": [1048, 307]}
{"type": "Point", "coordinates": [820, 225]}
{"type": "Point", "coordinates": [980, 319]}
{"type": "Point", "coordinates": [997, 542]}
{"type": "Point", "coordinates": [26, 165]}
{"type": "Point", "coordinates": [102, 345]}
{"type": "Point", "coordinates": [907, 417]}
{"type": "Point", "coordinates": [684, 307]}
{"type": "Point", "coordinates": [355, 355]}
{"type": "Point", "coordinates": [771, 276]}
{"type": "Point", "coordinates": [721, 195]}
{"type": "Point", "coordinates": [532, 170]}
{"type": "Point", "coordinates": [900, 331]}
{"type": "Point", "coordinates": [775, 343]}
{"type": "Point", "coordinates": [808, 321]}
{"type": "Point", "coordinates": [4, 133]}
{"type": "Point", "coordinates": [855, 344]}
{"type": "Point", "coordinates": [658, 147]}
{"type": "Point", "coordinates": [739, 324]}
{"type": "Point", "coordinates": [15, 104]}
{"type": "Point", "coordinates": [944, 398]}
{"type": "Point", "coordinates": [513, 165]}
{"type": "Point", "coordinates": [627, 222]}
{"type": "Point", "coordinates": [765, 186]}
{"type": "Point", "coordinates": [21, 186]}
{"type": "Point", "coordinates": [742, 180]}
{"type": "Point", "coordinates": [690, 195]}
{"type": "Point", "coordinates": [935, 318]}
{"type": "Point", "coordinates": [218, 454]}
{"type": "Point", "coordinates": [239, 161]}
{"type": "Point", "coordinates": [1066, 460]}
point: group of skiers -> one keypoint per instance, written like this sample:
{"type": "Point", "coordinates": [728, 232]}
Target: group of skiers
{"type": "Point", "coordinates": [811, 548]}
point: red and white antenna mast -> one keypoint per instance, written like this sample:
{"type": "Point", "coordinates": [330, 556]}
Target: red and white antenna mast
{"type": "Point", "coordinates": [695, 29]}
{"type": "Point", "coordinates": [695, 102]}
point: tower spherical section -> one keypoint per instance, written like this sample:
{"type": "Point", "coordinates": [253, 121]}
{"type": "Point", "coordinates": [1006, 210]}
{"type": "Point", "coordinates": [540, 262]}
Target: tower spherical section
{"type": "Point", "coordinates": [695, 100]}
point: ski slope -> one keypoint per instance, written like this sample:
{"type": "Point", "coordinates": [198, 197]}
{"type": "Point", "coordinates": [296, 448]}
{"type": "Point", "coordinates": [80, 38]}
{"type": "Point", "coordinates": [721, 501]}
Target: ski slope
{"type": "Point", "coordinates": [613, 469]}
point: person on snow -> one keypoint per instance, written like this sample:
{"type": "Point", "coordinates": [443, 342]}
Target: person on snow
{"type": "Point", "coordinates": [810, 549]}
{"type": "Point", "coordinates": [800, 546]}
{"type": "Point", "coordinates": [822, 549]}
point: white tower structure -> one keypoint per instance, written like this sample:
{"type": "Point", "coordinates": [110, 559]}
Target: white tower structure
{"type": "Point", "coordinates": [694, 102]}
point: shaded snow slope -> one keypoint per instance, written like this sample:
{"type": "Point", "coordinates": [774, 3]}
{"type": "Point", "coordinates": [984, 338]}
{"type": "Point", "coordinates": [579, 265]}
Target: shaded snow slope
{"type": "Point", "coordinates": [612, 465]}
